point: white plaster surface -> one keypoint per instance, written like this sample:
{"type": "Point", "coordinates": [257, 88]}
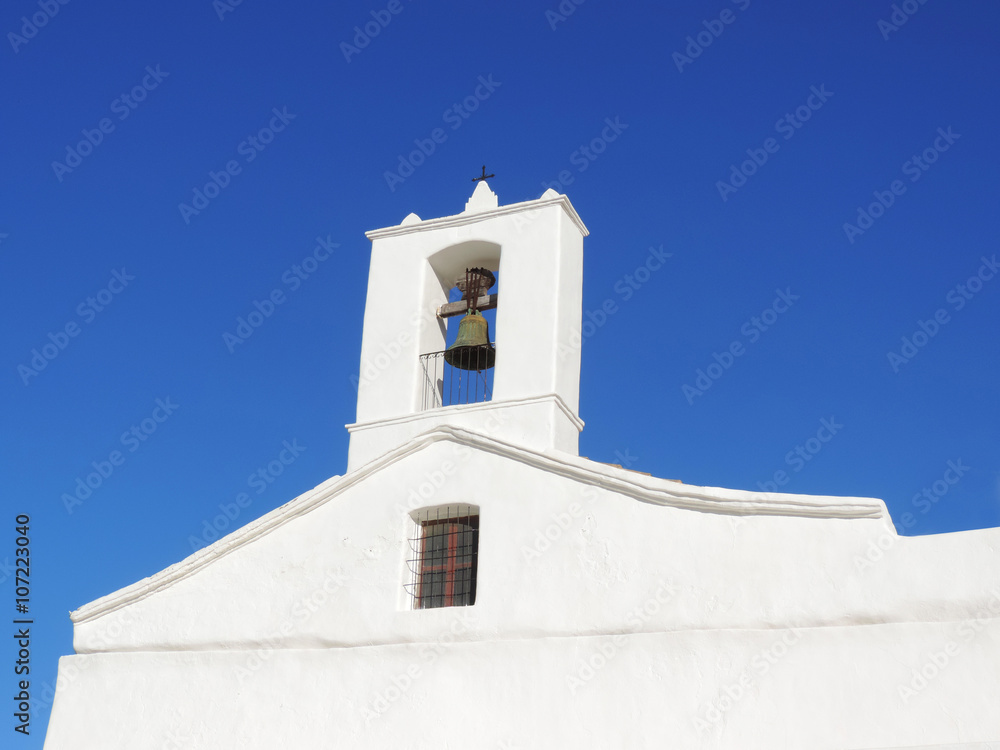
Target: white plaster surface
{"type": "Point", "coordinates": [564, 557]}
{"type": "Point", "coordinates": [286, 635]}
{"type": "Point", "coordinates": [827, 688]}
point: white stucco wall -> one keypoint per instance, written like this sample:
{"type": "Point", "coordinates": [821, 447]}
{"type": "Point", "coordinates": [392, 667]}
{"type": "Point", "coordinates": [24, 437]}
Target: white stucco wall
{"type": "Point", "coordinates": [682, 604]}
{"type": "Point", "coordinates": [816, 688]}
{"type": "Point", "coordinates": [734, 571]}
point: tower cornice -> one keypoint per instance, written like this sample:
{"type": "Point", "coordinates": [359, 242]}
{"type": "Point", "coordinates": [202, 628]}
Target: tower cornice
{"type": "Point", "coordinates": [549, 198]}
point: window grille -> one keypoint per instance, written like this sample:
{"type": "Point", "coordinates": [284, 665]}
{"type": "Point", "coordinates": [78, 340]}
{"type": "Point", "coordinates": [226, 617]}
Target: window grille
{"type": "Point", "coordinates": [444, 555]}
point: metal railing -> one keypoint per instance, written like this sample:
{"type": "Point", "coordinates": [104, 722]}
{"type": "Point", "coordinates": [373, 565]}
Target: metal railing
{"type": "Point", "coordinates": [445, 385]}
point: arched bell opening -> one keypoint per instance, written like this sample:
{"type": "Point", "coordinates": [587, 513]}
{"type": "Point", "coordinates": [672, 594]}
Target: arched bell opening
{"type": "Point", "coordinates": [461, 371]}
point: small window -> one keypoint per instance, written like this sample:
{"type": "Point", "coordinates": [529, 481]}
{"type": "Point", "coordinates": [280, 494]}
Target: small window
{"type": "Point", "coordinates": [446, 550]}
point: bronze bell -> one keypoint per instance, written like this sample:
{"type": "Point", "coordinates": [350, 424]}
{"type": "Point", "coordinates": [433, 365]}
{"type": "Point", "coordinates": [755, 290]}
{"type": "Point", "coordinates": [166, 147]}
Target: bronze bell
{"type": "Point", "coordinates": [472, 349]}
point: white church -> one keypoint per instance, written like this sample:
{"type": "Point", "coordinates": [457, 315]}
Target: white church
{"type": "Point", "coordinates": [472, 583]}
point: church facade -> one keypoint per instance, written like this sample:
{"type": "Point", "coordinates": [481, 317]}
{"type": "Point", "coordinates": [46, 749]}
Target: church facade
{"type": "Point", "coordinates": [472, 582]}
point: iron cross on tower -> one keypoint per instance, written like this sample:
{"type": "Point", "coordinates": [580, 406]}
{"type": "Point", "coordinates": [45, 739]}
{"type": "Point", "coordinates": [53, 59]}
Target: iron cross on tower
{"type": "Point", "coordinates": [484, 175]}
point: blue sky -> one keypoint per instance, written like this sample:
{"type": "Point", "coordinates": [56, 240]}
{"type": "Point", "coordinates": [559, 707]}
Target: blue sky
{"type": "Point", "coordinates": [738, 137]}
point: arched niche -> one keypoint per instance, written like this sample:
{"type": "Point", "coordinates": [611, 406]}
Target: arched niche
{"type": "Point", "coordinates": [450, 262]}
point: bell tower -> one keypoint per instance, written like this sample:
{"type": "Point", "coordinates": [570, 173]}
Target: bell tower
{"type": "Point", "coordinates": [522, 387]}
